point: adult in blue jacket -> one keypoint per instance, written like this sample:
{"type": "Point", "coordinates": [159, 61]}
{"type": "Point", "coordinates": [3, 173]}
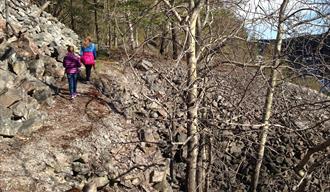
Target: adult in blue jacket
{"type": "Point", "coordinates": [88, 56]}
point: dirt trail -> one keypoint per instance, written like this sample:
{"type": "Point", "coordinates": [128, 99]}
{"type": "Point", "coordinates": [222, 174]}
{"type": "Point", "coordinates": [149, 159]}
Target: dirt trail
{"type": "Point", "coordinates": [83, 127]}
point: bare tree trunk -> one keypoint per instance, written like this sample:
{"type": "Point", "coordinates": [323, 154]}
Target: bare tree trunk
{"type": "Point", "coordinates": [270, 94]}
{"type": "Point", "coordinates": [42, 8]}
{"type": "Point", "coordinates": [208, 167]}
{"type": "Point", "coordinates": [109, 24]}
{"type": "Point", "coordinates": [7, 19]}
{"type": "Point", "coordinates": [174, 41]}
{"type": "Point", "coordinates": [109, 35]}
{"type": "Point", "coordinates": [163, 40]}
{"type": "Point", "coordinates": [96, 22]}
{"type": "Point", "coordinates": [72, 22]}
{"type": "Point", "coordinates": [115, 34]}
{"type": "Point", "coordinates": [174, 37]}
{"type": "Point", "coordinates": [192, 97]}
{"type": "Point", "coordinates": [198, 35]}
{"type": "Point", "coordinates": [130, 31]}
{"type": "Point", "coordinates": [136, 37]}
{"type": "Point", "coordinates": [201, 162]}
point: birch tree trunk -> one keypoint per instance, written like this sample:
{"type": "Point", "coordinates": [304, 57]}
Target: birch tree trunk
{"type": "Point", "coordinates": [270, 93]}
{"type": "Point", "coordinates": [201, 162]}
{"type": "Point", "coordinates": [192, 96]}
{"type": "Point", "coordinates": [130, 31]}
{"type": "Point", "coordinates": [115, 33]}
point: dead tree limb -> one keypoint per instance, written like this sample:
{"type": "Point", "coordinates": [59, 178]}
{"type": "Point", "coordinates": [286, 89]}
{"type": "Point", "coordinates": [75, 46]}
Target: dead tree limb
{"type": "Point", "coordinates": [42, 8]}
{"type": "Point", "coordinates": [320, 147]}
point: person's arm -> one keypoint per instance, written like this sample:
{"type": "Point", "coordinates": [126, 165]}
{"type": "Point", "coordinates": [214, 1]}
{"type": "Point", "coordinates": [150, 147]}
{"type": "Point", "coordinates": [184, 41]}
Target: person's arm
{"type": "Point", "coordinates": [78, 63]}
{"type": "Point", "coordinates": [64, 62]}
{"type": "Point", "coordinates": [94, 51]}
{"type": "Point", "coordinates": [81, 51]}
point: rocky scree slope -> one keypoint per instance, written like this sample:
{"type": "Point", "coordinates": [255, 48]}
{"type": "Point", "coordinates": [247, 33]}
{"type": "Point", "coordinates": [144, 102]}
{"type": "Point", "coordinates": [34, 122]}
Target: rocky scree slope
{"type": "Point", "coordinates": [31, 51]}
{"type": "Point", "coordinates": [230, 118]}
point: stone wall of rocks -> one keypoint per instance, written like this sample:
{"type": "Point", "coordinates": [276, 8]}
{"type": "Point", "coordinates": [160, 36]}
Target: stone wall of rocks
{"type": "Point", "coordinates": [32, 47]}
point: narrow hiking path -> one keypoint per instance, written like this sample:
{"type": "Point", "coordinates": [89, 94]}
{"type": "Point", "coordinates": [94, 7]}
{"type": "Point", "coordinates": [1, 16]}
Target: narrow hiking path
{"type": "Point", "coordinates": [83, 128]}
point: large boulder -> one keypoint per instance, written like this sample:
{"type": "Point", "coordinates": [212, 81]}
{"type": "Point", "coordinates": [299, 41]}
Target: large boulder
{"type": "Point", "coordinates": [37, 68]}
{"type": "Point", "coordinates": [31, 125]}
{"type": "Point", "coordinates": [8, 127]}
{"type": "Point", "coordinates": [6, 78]}
{"type": "Point", "coordinates": [53, 67]}
{"type": "Point", "coordinates": [25, 109]}
{"type": "Point", "coordinates": [38, 90]}
{"type": "Point", "coordinates": [19, 68]}
{"type": "Point", "coordinates": [9, 98]}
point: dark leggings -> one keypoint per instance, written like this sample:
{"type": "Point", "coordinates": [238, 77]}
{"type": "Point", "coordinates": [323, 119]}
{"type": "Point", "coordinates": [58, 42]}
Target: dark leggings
{"type": "Point", "coordinates": [88, 72]}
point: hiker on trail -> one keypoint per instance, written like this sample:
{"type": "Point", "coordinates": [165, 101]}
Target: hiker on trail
{"type": "Point", "coordinates": [88, 55]}
{"type": "Point", "coordinates": [72, 64]}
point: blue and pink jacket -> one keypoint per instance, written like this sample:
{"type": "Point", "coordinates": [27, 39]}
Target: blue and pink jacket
{"type": "Point", "coordinates": [71, 63]}
{"type": "Point", "coordinates": [88, 54]}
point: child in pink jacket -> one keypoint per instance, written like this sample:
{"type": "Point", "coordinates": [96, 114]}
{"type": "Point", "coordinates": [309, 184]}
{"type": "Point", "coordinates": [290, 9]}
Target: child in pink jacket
{"type": "Point", "coordinates": [72, 64]}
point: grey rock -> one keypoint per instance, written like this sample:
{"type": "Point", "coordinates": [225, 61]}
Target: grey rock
{"type": "Point", "coordinates": [20, 110]}
{"type": "Point", "coordinates": [153, 105]}
{"type": "Point", "coordinates": [95, 183]}
{"type": "Point", "coordinates": [8, 127]}
{"type": "Point", "coordinates": [91, 187]}
{"type": "Point", "coordinates": [163, 186]}
{"type": "Point", "coordinates": [9, 98]}
{"type": "Point", "coordinates": [49, 80]}
{"type": "Point", "coordinates": [180, 137]}
{"type": "Point", "coordinates": [30, 125]}
{"type": "Point", "coordinates": [53, 68]}
{"type": "Point", "coordinates": [6, 78]}
{"type": "Point", "coordinates": [154, 114]}
{"type": "Point", "coordinates": [163, 113]}
{"type": "Point", "coordinates": [80, 168]}
{"type": "Point", "coordinates": [144, 65]}
{"type": "Point", "coordinates": [26, 109]}
{"type": "Point", "coordinates": [157, 176]}
{"type": "Point", "coordinates": [61, 53]}
{"type": "Point", "coordinates": [146, 135]}
{"type": "Point", "coordinates": [19, 67]}
{"type": "Point", "coordinates": [42, 94]}
{"type": "Point", "coordinates": [37, 68]}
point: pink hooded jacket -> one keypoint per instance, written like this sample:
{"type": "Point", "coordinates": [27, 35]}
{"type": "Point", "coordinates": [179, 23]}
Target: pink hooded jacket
{"type": "Point", "coordinates": [71, 63]}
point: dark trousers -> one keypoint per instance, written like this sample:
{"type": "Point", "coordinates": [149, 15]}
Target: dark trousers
{"type": "Point", "coordinates": [88, 72]}
{"type": "Point", "coordinates": [72, 78]}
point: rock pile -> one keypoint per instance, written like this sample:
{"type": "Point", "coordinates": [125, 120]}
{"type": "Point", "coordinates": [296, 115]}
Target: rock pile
{"type": "Point", "coordinates": [32, 47]}
{"type": "Point", "coordinates": [230, 114]}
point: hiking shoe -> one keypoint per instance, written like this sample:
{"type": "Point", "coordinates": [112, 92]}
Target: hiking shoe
{"type": "Point", "coordinates": [73, 96]}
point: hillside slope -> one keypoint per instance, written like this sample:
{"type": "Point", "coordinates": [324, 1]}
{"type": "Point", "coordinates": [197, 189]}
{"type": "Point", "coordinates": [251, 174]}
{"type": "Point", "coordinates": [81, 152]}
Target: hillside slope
{"type": "Point", "coordinates": [127, 130]}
